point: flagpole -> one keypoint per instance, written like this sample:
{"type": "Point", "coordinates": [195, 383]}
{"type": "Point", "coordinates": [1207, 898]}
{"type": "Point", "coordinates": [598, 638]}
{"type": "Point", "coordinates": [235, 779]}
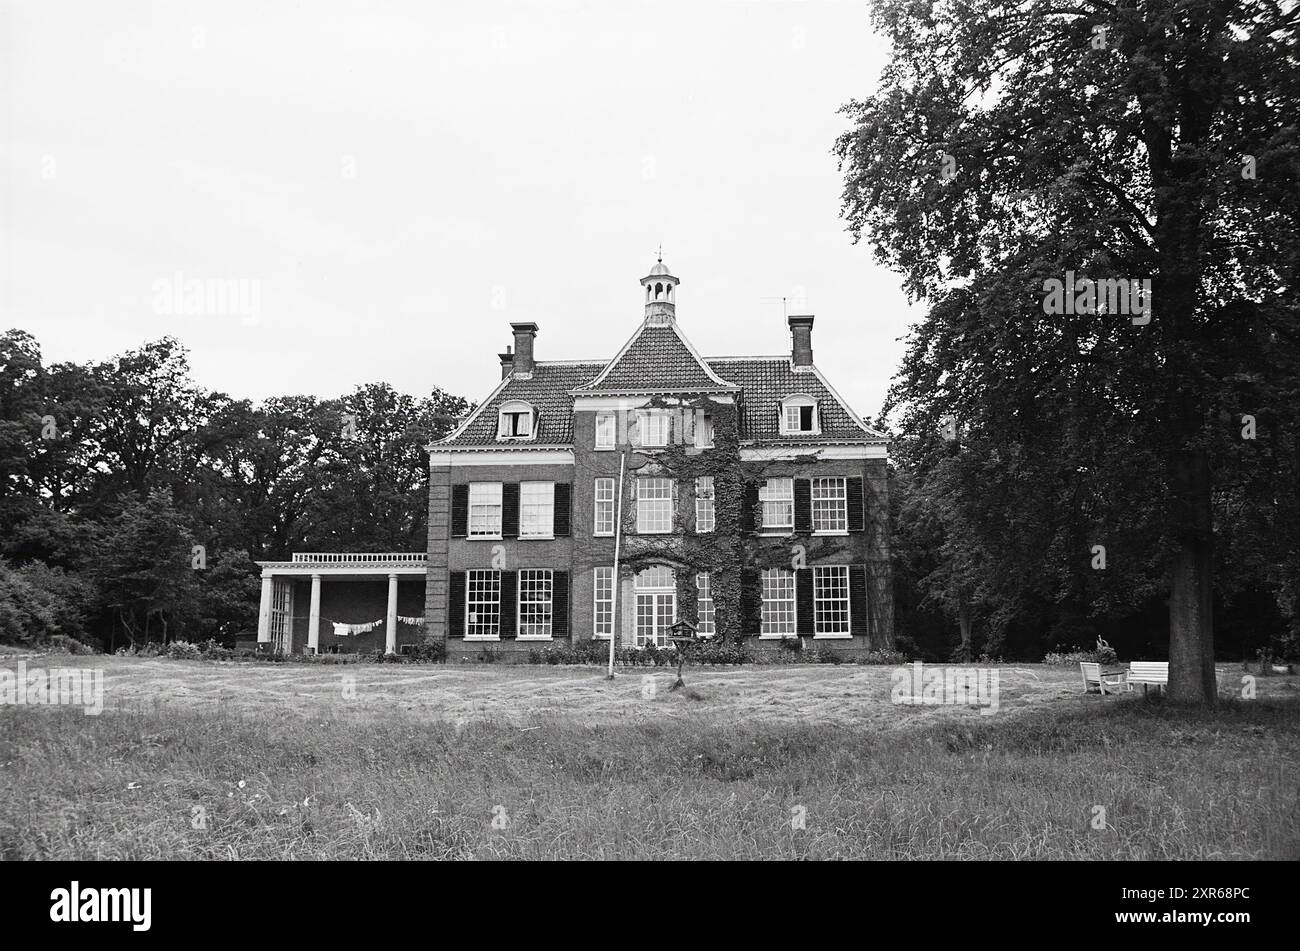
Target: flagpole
{"type": "Point", "coordinates": [618, 540]}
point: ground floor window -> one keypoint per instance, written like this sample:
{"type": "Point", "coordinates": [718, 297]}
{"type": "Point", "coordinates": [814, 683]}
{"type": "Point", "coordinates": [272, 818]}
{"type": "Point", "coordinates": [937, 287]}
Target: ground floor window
{"type": "Point", "coordinates": [535, 594]}
{"type": "Point", "coordinates": [704, 605]}
{"type": "Point", "coordinates": [656, 605]}
{"type": "Point", "coordinates": [831, 599]}
{"type": "Point", "coordinates": [482, 603]}
{"type": "Point", "coordinates": [778, 602]}
{"type": "Point", "coordinates": [603, 605]}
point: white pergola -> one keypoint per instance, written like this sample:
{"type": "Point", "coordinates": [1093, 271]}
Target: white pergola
{"type": "Point", "coordinates": [340, 565]}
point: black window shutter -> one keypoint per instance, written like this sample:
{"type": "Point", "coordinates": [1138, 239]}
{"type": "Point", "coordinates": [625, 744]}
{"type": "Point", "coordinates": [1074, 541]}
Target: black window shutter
{"type": "Point", "coordinates": [860, 621]}
{"type": "Point", "coordinates": [751, 601]}
{"type": "Point", "coordinates": [509, 599]}
{"type": "Point", "coordinates": [456, 604]}
{"type": "Point", "coordinates": [459, 510]}
{"type": "Point", "coordinates": [749, 508]}
{"type": "Point", "coordinates": [857, 508]}
{"type": "Point", "coordinates": [563, 509]}
{"type": "Point", "coordinates": [802, 506]}
{"type": "Point", "coordinates": [559, 601]}
{"type": "Point", "coordinates": [510, 510]}
{"type": "Point", "coordinates": [804, 606]}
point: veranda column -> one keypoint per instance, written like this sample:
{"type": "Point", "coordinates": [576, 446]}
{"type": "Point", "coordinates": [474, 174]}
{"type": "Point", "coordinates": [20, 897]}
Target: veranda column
{"type": "Point", "coordinates": [313, 617]}
{"type": "Point", "coordinates": [264, 613]}
{"type": "Point", "coordinates": [391, 629]}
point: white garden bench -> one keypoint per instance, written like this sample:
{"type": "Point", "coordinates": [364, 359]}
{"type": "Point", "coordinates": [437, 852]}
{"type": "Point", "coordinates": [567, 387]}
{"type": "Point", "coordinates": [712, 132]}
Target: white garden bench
{"type": "Point", "coordinates": [1093, 677]}
{"type": "Point", "coordinates": [1148, 673]}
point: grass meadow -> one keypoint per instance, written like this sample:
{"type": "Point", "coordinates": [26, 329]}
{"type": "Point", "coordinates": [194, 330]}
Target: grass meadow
{"type": "Point", "coordinates": [209, 760]}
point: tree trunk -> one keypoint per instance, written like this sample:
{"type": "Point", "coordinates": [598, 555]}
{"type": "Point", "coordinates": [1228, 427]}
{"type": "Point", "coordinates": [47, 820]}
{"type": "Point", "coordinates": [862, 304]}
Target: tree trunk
{"type": "Point", "coordinates": [1191, 584]}
{"type": "Point", "coordinates": [964, 623]}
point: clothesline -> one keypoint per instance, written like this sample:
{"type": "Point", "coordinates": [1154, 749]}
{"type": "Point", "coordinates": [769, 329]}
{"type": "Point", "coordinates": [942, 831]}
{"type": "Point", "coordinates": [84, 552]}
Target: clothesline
{"type": "Point", "coordinates": [344, 630]}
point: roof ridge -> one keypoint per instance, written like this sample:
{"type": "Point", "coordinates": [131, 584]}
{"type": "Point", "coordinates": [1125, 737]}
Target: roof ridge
{"type": "Point", "coordinates": [598, 383]}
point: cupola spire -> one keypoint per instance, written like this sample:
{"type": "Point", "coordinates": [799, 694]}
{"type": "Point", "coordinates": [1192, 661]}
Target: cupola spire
{"type": "Point", "coordinates": [660, 293]}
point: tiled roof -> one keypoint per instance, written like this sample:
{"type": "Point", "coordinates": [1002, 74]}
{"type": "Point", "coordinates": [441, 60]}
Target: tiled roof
{"type": "Point", "coordinates": [547, 391]}
{"type": "Point", "coordinates": [656, 358]}
{"type": "Point", "coordinates": [766, 381]}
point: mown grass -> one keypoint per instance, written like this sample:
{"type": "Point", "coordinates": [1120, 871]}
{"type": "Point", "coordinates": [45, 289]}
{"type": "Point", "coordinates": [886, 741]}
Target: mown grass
{"type": "Point", "coordinates": [1174, 785]}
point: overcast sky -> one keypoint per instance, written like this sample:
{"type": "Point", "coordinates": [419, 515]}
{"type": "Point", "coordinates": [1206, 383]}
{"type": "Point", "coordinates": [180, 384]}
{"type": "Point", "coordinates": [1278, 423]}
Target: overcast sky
{"type": "Point", "coordinates": [397, 182]}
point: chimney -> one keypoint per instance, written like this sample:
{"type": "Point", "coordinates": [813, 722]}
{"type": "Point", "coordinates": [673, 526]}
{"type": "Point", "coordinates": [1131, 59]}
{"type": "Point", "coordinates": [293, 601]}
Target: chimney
{"type": "Point", "coordinates": [507, 362]}
{"type": "Point", "coordinates": [801, 332]}
{"type": "Point", "coordinates": [523, 362]}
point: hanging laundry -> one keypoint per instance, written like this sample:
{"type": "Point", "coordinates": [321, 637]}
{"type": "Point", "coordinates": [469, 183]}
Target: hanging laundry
{"type": "Point", "coordinates": [411, 620]}
{"type": "Point", "coordinates": [344, 630]}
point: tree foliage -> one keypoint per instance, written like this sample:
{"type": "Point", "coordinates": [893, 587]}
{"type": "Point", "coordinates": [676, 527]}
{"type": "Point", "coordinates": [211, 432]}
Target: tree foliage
{"type": "Point", "coordinates": [1011, 143]}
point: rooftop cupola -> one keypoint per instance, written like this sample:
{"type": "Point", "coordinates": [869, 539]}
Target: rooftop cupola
{"type": "Point", "coordinates": [660, 294]}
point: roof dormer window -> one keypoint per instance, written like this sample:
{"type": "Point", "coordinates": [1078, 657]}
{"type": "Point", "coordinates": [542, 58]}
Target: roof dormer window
{"type": "Point", "coordinates": [518, 420]}
{"type": "Point", "coordinates": [799, 416]}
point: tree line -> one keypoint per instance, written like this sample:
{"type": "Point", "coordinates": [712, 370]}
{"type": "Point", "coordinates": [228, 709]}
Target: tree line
{"type": "Point", "coordinates": [135, 501]}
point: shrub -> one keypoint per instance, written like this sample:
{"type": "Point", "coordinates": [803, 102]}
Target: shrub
{"type": "Point", "coordinates": [183, 650]}
{"type": "Point", "coordinates": [64, 643]}
{"type": "Point", "coordinates": [1071, 658]}
{"type": "Point", "coordinates": [211, 650]}
{"type": "Point", "coordinates": [715, 651]}
{"type": "Point", "coordinates": [426, 653]}
{"type": "Point", "coordinates": [883, 658]}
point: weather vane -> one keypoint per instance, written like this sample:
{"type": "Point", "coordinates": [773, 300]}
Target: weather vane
{"type": "Point", "coordinates": [661, 252]}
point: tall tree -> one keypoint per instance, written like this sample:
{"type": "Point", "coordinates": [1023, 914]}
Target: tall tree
{"type": "Point", "coordinates": [1012, 142]}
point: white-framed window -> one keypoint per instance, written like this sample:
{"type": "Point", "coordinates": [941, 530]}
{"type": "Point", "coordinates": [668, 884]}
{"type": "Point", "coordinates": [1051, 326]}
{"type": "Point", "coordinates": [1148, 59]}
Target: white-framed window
{"type": "Point", "coordinates": [703, 431]}
{"type": "Point", "coordinates": [517, 420]}
{"type": "Point", "coordinates": [777, 497]}
{"type": "Point", "coordinates": [606, 430]}
{"type": "Point", "coordinates": [830, 505]}
{"type": "Point", "coordinates": [652, 428]}
{"type": "Point", "coordinates": [485, 510]}
{"type": "Point", "coordinates": [482, 603]}
{"type": "Point", "coordinates": [603, 602]}
{"type": "Point", "coordinates": [704, 603]}
{"type": "Point", "coordinates": [656, 605]}
{"type": "Point", "coordinates": [603, 506]}
{"type": "Point", "coordinates": [831, 599]}
{"type": "Point", "coordinates": [778, 602]}
{"type": "Point", "coordinates": [704, 504]}
{"type": "Point", "coordinates": [799, 416]}
{"type": "Point", "coordinates": [535, 591]}
{"type": "Point", "coordinates": [654, 505]}
{"type": "Point", "coordinates": [537, 510]}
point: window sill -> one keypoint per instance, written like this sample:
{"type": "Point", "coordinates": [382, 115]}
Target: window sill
{"type": "Point", "coordinates": [484, 538]}
{"type": "Point", "coordinates": [603, 448]}
{"type": "Point", "coordinates": [534, 637]}
{"type": "Point", "coordinates": [832, 637]}
{"type": "Point", "coordinates": [777, 637]}
{"type": "Point", "coordinates": [537, 538]}
{"type": "Point", "coordinates": [666, 531]}
{"type": "Point", "coordinates": [602, 534]}
{"type": "Point", "coordinates": [777, 532]}
{"type": "Point", "coordinates": [480, 638]}
{"type": "Point", "coordinates": [836, 533]}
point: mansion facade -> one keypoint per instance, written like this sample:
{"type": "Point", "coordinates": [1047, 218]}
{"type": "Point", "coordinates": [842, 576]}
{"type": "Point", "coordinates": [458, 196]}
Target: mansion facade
{"type": "Point", "coordinates": [596, 499]}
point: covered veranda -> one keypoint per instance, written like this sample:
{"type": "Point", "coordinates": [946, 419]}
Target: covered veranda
{"type": "Point", "coordinates": [283, 584]}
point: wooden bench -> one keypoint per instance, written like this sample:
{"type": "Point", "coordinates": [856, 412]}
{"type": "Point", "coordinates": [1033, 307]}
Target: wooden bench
{"type": "Point", "coordinates": [1148, 673]}
{"type": "Point", "coordinates": [1093, 677]}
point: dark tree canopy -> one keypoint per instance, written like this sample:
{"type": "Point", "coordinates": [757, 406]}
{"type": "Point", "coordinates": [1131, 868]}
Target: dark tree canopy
{"type": "Point", "coordinates": [1011, 143]}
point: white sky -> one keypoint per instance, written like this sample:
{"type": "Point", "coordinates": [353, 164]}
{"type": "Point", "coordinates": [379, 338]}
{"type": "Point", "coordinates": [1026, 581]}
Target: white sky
{"type": "Point", "coordinates": [402, 180]}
